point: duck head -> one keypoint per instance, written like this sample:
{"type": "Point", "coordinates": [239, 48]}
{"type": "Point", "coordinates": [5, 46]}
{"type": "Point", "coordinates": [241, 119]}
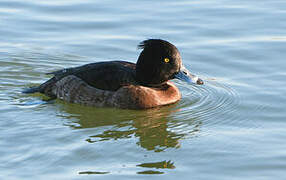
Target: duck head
{"type": "Point", "coordinates": [159, 62]}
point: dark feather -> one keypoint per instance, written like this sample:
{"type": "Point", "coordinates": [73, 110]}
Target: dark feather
{"type": "Point", "coordinates": [102, 75]}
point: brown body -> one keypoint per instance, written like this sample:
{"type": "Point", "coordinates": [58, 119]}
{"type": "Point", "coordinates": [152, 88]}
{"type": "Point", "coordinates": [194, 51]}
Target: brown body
{"type": "Point", "coordinates": [73, 89]}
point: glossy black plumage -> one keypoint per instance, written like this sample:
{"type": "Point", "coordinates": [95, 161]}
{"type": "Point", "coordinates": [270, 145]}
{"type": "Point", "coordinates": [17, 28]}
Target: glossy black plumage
{"type": "Point", "coordinates": [151, 69]}
{"type": "Point", "coordinates": [109, 75]}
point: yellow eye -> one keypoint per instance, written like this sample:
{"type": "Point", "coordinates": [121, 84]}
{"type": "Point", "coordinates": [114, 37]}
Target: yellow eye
{"type": "Point", "coordinates": [166, 60]}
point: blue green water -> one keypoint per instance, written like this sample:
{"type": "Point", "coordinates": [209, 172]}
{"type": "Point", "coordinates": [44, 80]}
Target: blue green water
{"type": "Point", "coordinates": [233, 127]}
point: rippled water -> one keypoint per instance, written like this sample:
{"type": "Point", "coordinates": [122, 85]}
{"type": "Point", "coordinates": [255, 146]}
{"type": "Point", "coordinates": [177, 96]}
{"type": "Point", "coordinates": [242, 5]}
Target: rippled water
{"type": "Point", "coordinates": [233, 127]}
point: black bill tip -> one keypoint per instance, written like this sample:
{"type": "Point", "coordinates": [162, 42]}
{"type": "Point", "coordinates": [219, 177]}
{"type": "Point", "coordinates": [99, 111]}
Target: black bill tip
{"type": "Point", "coordinates": [200, 81]}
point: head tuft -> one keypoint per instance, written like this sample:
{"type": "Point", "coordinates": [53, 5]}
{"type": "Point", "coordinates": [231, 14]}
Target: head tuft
{"type": "Point", "coordinates": [153, 43]}
{"type": "Point", "coordinates": [158, 62]}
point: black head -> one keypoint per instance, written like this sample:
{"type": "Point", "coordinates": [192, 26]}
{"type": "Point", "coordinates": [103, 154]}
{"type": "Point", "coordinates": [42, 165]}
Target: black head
{"type": "Point", "coordinates": [158, 62]}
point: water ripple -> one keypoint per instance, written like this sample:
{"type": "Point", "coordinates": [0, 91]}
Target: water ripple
{"type": "Point", "coordinates": [214, 99]}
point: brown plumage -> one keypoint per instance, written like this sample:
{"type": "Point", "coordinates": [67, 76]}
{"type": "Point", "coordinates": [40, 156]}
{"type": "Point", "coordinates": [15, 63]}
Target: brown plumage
{"type": "Point", "coordinates": [73, 89]}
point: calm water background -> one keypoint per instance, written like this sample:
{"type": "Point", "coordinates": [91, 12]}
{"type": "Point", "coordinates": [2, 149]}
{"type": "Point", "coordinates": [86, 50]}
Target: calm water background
{"type": "Point", "coordinates": [233, 127]}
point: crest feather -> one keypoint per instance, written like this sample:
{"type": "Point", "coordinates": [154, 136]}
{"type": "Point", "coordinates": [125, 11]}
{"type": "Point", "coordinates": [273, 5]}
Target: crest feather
{"type": "Point", "coordinates": [149, 42]}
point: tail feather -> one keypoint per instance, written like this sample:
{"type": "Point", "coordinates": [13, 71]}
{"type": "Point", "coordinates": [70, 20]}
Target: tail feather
{"type": "Point", "coordinates": [31, 90]}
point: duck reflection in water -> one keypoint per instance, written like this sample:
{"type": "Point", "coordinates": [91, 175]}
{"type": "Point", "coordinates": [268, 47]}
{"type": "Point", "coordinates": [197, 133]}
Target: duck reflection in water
{"type": "Point", "coordinates": [151, 127]}
{"type": "Point", "coordinates": [155, 129]}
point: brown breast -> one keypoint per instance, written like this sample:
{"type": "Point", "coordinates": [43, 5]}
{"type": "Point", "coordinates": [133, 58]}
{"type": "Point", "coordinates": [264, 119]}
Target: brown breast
{"type": "Point", "coordinates": [73, 89]}
{"type": "Point", "coordinates": [141, 97]}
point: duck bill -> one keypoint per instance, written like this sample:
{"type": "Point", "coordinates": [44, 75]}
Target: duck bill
{"type": "Point", "coordinates": [185, 75]}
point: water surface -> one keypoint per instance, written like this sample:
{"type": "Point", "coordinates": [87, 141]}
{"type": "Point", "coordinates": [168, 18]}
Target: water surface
{"type": "Point", "coordinates": [233, 127]}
